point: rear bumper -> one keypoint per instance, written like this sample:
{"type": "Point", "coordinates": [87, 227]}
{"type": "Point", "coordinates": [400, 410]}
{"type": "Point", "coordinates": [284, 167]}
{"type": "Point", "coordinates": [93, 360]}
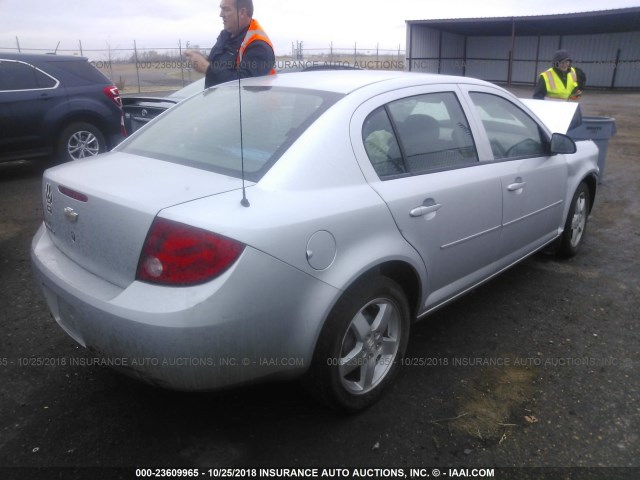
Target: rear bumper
{"type": "Point", "coordinates": [259, 320]}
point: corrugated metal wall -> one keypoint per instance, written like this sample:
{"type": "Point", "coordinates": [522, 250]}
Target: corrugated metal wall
{"type": "Point", "coordinates": [609, 60]}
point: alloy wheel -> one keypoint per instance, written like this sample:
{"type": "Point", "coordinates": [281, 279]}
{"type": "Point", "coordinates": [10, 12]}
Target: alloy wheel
{"type": "Point", "coordinates": [83, 144]}
{"type": "Point", "coordinates": [370, 346]}
{"type": "Point", "coordinates": [579, 220]}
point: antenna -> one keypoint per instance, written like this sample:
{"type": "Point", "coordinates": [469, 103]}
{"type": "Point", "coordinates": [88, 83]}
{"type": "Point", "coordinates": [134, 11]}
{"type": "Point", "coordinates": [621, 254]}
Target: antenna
{"type": "Point", "coordinates": [244, 202]}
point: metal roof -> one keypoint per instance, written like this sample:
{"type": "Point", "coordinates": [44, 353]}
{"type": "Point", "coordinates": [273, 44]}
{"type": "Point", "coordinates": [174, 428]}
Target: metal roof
{"type": "Point", "coordinates": [603, 21]}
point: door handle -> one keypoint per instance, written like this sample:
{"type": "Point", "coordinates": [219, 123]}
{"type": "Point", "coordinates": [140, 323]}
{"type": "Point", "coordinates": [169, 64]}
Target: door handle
{"type": "Point", "coordinates": [516, 186]}
{"type": "Point", "coordinates": [423, 210]}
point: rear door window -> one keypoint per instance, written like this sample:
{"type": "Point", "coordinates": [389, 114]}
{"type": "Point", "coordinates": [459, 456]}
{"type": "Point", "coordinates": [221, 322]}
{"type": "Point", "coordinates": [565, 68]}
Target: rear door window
{"type": "Point", "coordinates": [419, 134]}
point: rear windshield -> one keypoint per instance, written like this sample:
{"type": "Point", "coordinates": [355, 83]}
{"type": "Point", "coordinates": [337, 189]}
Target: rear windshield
{"type": "Point", "coordinates": [204, 131]}
{"type": "Point", "coordinates": [77, 73]}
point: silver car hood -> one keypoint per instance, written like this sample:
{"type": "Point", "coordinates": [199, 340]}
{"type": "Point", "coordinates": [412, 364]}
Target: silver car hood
{"type": "Point", "coordinates": [556, 115]}
{"type": "Point", "coordinates": [99, 216]}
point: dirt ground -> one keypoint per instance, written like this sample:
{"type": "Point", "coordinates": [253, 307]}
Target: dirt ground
{"type": "Point", "coordinates": [539, 368]}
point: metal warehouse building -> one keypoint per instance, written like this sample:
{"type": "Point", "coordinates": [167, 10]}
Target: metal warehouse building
{"type": "Point", "coordinates": [514, 50]}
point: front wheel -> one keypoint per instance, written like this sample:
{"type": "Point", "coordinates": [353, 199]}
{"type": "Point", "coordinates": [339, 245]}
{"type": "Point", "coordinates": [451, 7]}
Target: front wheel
{"type": "Point", "coordinates": [80, 140]}
{"type": "Point", "coordinates": [576, 224]}
{"type": "Point", "coordinates": [361, 345]}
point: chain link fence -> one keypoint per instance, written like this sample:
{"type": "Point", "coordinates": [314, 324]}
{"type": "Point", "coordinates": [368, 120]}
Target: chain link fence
{"type": "Point", "coordinates": [155, 69]}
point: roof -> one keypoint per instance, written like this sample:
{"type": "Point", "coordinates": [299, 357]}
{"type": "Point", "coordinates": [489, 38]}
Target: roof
{"type": "Point", "coordinates": [347, 81]}
{"type": "Point", "coordinates": [603, 21]}
{"type": "Point", "coordinates": [38, 57]}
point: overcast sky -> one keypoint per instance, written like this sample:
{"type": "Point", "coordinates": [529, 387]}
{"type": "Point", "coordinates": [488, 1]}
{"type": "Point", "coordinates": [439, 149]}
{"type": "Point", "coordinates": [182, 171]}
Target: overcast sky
{"type": "Point", "coordinates": [41, 24]}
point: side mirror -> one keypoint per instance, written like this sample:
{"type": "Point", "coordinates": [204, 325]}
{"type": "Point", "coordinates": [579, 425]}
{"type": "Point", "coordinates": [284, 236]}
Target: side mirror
{"type": "Point", "coordinates": [562, 144]}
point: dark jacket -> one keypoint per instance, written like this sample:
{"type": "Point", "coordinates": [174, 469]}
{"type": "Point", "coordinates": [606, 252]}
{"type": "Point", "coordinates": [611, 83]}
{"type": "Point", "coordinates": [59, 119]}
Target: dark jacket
{"type": "Point", "coordinates": [258, 59]}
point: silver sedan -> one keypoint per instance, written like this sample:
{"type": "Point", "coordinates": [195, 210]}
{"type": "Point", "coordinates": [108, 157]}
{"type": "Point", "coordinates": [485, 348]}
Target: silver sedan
{"type": "Point", "coordinates": [294, 226]}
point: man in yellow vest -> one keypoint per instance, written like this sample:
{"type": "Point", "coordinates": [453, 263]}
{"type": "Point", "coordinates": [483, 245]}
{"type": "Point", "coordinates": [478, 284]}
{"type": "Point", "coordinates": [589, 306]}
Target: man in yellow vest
{"type": "Point", "coordinates": [242, 50]}
{"type": "Point", "coordinates": [562, 81]}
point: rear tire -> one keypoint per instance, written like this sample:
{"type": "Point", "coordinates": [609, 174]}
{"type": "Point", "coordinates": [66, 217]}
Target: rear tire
{"type": "Point", "coordinates": [80, 140]}
{"type": "Point", "coordinates": [361, 345]}
{"type": "Point", "coordinates": [575, 227]}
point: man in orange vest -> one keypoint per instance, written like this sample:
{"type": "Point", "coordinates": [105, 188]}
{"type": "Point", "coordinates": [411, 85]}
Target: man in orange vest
{"type": "Point", "coordinates": [242, 50]}
{"type": "Point", "coordinates": [562, 81]}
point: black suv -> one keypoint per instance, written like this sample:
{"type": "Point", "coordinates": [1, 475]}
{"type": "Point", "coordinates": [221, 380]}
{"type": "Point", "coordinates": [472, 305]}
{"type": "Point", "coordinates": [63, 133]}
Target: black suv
{"type": "Point", "coordinates": [58, 106]}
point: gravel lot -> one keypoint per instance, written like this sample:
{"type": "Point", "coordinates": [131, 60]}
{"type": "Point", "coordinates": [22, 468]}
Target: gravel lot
{"type": "Point", "coordinates": [538, 368]}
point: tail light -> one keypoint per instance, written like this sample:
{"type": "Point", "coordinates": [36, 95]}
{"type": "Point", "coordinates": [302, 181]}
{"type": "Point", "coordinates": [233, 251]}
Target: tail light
{"type": "Point", "coordinates": [114, 95]}
{"type": "Point", "coordinates": [175, 254]}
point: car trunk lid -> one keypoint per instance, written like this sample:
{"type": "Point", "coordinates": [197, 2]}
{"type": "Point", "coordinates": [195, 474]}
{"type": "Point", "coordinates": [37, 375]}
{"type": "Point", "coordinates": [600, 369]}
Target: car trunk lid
{"type": "Point", "coordinates": [98, 212]}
